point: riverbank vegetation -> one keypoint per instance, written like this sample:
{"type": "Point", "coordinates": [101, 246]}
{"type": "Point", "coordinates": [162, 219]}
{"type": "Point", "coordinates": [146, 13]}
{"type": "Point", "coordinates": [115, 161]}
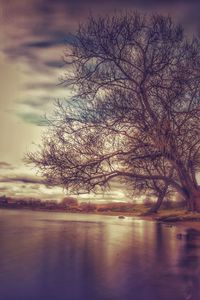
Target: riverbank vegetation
{"type": "Point", "coordinates": [170, 211]}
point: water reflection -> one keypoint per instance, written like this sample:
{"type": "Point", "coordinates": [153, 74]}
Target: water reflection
{"type": "Point", "coordinates": [190, 264]}
{"type": "Point", "coordinates": [59, 256]}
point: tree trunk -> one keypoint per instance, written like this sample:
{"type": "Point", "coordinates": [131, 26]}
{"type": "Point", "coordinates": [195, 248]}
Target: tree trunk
{"type": "Point", "coordinates": [193, 200]}
{"type": "Point", "coordinates": [158, 203]}
{"type": "Point", "coordinates": [189, 189]}
{"type": "Point", "coordinates": [196, 202]}
{"type": "Point", "coordinates": [190, 203]}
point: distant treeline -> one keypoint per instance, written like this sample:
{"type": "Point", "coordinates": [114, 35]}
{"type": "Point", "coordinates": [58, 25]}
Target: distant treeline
{"type": "Point", "coordinates": [70, 204]}
{"type": "Point", "coordinates": [67, 204]}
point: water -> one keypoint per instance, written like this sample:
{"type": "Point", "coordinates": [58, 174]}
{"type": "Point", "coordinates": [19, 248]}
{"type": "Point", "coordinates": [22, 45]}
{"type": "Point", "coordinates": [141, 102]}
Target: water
{"type": "Point", "coordinates": [62, 256]}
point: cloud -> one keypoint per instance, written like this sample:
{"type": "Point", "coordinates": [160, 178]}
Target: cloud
{"type": "Point", "coordinates": [22, 179]}
{"type": "Point", "coordinates": [4, 189]}
{"type": "Point", "coordinates": [45, 25]}
{"type": "Point", "coordinates": [54, 63]}
{"type": "Point", "coordinates": [43, 28]}
{"type": "Point", "coordinates": [41, 44]}
{"type": "Point", "coordinates": [28, 185]}
{"type": "Point", "coordinates": [36, 102]}
{"type": "Point", "coordinates": [41, 85]}
{"type": "Point", "coordinates": [62, 39]}
{"type": "Point", "coordinates": [5, 165]}
{"type": "Point", "coordinates": [32, 118]}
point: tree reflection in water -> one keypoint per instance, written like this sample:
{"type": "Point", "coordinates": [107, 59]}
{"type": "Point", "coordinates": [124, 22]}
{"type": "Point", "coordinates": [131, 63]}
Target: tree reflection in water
{"type": "Point", "coordinates": [189, 264]}
{"type": "Point", "coordinates": [82, 257]}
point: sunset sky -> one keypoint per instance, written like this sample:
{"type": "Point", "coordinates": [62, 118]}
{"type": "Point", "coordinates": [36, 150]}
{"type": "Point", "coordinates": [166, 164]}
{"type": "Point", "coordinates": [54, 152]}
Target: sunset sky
{"type": "Point", "coordinates": [34, 34]}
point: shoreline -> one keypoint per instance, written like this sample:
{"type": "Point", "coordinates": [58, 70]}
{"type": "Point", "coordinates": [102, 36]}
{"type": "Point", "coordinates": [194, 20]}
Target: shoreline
{"type": "Point", "coordinates": [171, 217]}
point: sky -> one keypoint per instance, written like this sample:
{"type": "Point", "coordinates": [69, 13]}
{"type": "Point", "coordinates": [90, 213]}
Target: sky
{"type": "Point", "coordinates": [34, 35]}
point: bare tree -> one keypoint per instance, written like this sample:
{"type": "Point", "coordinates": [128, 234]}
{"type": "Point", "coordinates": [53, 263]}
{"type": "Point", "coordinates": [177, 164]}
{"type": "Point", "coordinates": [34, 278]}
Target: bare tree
{"type": "Point", "coordinates": [157, 188]}
{"type": "Point", "coordinates": [135, 111]}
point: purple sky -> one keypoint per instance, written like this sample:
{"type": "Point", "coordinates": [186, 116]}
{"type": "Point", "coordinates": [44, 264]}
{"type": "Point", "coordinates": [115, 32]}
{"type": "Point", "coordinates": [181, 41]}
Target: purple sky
{"type": "Point", "coordinates": [34, 34]}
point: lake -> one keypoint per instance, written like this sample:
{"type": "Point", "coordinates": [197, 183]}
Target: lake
{"type": "Point", "coordinates": [59, 256]}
